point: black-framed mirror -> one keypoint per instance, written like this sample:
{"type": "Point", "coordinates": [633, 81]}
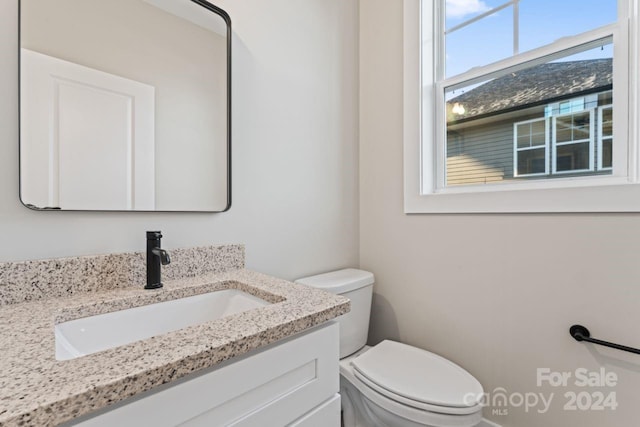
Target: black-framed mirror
{"type": "Point", "coordinates": [125, 105]}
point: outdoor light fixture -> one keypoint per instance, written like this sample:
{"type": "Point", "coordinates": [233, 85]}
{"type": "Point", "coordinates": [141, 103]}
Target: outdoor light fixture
{"type": "Point", "coordinates": [458, 108]}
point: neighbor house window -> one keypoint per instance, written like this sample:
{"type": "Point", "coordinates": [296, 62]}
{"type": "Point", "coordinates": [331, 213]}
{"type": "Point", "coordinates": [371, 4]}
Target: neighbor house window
{"type": "Point", "coordinates": [605, 137]}
{"type": "Point", "coordinates": [573, 142]}
{"type": "Point", "coordinates": [569, 125]}
{"type": "Point", "coordinates": [531, 147]}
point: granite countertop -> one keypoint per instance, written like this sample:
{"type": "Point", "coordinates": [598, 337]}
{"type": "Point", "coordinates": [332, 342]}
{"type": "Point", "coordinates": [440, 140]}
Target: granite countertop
{"type": "Point", "coordinates": [36, 389]}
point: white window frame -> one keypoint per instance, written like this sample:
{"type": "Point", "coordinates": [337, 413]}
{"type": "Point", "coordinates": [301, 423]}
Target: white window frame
{"type": "Point", "coordinates": [424, 192]}
{"type": "Point", "coordinates": [516, 150]}
{"type": "Point", "coordinates": [556, 144]}
{"type": "Point", "coordinates": [601, 137]}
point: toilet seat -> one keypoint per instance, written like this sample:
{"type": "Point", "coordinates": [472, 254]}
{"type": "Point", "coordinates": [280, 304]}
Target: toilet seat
{"type": "Point", "coordinates": [421, 416]}
{"type": "Point", "coordinates": [418, 378]}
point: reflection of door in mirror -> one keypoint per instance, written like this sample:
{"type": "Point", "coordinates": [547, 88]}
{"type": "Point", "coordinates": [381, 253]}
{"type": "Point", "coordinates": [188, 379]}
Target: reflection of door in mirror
{"type": "Point", "coordinates": [124, 105]}
{"type": "Point", "coordinates": [89, 141]}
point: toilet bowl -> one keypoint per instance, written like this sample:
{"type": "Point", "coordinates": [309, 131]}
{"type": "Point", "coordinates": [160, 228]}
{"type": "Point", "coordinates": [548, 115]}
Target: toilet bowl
{"type": "Point", "coordinates": [393, 384]}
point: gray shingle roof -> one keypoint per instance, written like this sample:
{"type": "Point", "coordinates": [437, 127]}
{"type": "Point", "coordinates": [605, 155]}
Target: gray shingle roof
{"type": "Point", "coordinates": [533, 86]}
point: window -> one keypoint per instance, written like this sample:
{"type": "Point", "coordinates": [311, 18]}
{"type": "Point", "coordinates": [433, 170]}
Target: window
{"type": "Point", "coordinates": [507, 106]}
{"type": "Point", "coordinates": [531, 148]}
{"type": "Point", "coordinates": [573, 142]}
{"type": "Point", "coordinates": [503, 98]}
{"type": "Point", "coordinates": [605, 137]}
{"type": "Point", "coordinates": [505, 136]}
{"type": "Point", "coordinates": [572, 135]}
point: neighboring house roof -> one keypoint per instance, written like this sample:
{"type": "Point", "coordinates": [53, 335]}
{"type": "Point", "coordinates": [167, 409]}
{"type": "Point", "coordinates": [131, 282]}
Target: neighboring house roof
{"type": "Point", "coordinates": [534, 86]}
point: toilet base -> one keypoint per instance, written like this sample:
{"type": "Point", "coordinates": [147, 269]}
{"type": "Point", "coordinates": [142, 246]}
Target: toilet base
{"type": "Point", "coordinates": [358, 411]}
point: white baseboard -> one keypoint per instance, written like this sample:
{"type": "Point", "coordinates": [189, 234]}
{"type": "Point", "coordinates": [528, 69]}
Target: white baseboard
{"type": "Point", "coordinates": [487, 423]}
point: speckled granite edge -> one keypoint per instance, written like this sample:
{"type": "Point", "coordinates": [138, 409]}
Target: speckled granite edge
{"type": "Point", "coordinates": [38, 390]}
{"type": "Point", "coordinates": [51, 278]}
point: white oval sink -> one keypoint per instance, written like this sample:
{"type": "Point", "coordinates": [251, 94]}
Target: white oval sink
{"type": "Point", "coordinates": [88, 335]}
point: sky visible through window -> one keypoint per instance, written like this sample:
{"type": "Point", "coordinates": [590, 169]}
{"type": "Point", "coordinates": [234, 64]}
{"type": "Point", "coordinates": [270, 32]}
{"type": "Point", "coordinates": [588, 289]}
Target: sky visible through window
{"type": "Point", "coordinates": [540, 21]}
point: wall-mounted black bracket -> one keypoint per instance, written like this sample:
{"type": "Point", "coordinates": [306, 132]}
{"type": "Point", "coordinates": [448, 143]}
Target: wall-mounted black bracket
{"type": "Point", "coordinates": [580, 333]}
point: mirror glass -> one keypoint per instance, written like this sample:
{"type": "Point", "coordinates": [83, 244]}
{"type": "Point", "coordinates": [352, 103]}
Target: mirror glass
{"type": "Point", "coordinates": [124, 105]}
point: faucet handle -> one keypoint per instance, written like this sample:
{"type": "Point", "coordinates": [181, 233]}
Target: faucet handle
{"type": "Point", "coordinates": [154, 235]}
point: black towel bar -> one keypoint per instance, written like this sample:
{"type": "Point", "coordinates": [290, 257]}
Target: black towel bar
{"type": "Point", "coordinates": [580, 333]}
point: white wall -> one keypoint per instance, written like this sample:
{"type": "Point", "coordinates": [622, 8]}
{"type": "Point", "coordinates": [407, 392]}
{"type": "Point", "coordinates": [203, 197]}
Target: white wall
{"type": "Point", "coordinates": [494, 293]}
{"type": "Point", "coordinates": [294, 150]}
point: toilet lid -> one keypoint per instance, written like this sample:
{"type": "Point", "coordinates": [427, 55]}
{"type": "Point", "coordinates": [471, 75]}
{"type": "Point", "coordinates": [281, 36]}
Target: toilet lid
{"type": "Point", "coordinates": [417, 375]}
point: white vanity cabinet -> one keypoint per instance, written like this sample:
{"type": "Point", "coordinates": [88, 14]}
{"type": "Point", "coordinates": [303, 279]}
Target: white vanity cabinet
{"type": "Point", "coordinates": [293, 382]}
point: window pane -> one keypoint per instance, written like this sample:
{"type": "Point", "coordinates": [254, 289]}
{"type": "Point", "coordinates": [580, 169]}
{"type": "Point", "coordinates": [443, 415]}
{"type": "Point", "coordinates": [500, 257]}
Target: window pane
{"type": "Point", "coordinates": [607, 158]}
{"type": "Point", "coordinates": [545, 21]}
{"type": "Point", "coordinates": [577, 104]}
{"type": "Point", "coordinates": [538, 139]}
{"type": "Point", "coordinates": [459, 11]}
{"type": "Point", "coordinates": [605, 98]}
{"type": "Point", "coordinates": [480, 43]}
{"type": "Point", "coordinates": [496, 126]}
{"type": "Point", "coordinates": [538, 127]}
{"type": "Point", "coordinates": [531, 134]}
{"type": "Point", "coordinates": [607, 122]}
{"type": "Point", "coordinates": [531, 161]}
{"type": "Point", "coordinates": [581, 132]}
{"type": "Point", "coordinates": [572, 157]}
{"type": "Point", "coordinates": [573, 127]}
{"type": "Point", "coordinates": [563, 129]}
{"type": "Point", "coordinates": [524, 138]}
{"type": "Point", "coordinates": [488, 39]}
{"type": "Point", "coordinates": [581, 128]}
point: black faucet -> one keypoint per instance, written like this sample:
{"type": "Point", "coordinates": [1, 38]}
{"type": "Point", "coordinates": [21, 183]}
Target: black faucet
{"type": "Point", "coordinates": [155, 257]}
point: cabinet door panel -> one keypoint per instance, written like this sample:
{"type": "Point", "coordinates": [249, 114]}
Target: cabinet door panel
{"type": "Point", "coordinates": [325, 415]}
{"type": "Point", "coordinates": [270, 387]}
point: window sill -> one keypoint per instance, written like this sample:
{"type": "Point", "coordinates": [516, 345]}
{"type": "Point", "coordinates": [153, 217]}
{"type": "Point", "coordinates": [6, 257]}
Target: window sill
{"type": "Point", "coordinates": [547, 184]}
{"type": "Point", "coordinates": [612, 197]}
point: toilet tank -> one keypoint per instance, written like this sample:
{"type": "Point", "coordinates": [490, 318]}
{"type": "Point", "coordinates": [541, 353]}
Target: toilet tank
{"type": "Point", "coordinates": [357, 285]}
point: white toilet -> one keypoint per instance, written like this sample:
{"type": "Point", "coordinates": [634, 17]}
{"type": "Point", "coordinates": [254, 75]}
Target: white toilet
{"type": "Point", "coordinates": [393, 384]}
